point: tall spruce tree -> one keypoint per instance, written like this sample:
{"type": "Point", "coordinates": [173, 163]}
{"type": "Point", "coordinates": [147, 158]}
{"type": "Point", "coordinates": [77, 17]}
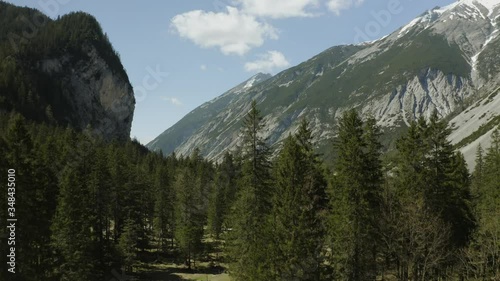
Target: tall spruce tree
{"type": "Point", "coordinates": [35, 190]}
{"type": "Point", "coordinates": [355, 199]}
{"type": "Point", "coordinates": [222, 195]}
{"type": "Point", "coordinates": [72, 228]}
{"type": "Point", "coordinates": [216, 205]}
{"type": "Point", "coordinates": [447, 192]}
{"type": "Point", "coordinates": [433, 196]}
{"type": "Point", "coordinates": [163, 206]}
{"type": "Point", "coordinates": [248, 239]}
{"type": "Point", "coordinates": [479, 169]}
{"type": "Point", "coordinates": [127, 244]}
{"type": "Point", "coordinates": [99, 185]}
{"type": "Point", "coordinates": [119, 177]}
{"type": "Point", "coordinates": [189, 217]}
{"type": "Point", "coordinates": [299, 205]}
{"type": "Point", "coordinates": [485, 261]}
{"type": "Point", "coordinates": [406, 214]}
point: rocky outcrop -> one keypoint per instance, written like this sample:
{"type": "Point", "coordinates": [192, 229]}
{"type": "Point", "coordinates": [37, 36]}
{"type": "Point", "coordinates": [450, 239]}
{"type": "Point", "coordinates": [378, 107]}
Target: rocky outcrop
{"type": "Point", "coordinates": [101, 99]}
{"type": "Point", "coordinates": [66, 73]}
{"type": "Point", "coordinates": [422, 95]}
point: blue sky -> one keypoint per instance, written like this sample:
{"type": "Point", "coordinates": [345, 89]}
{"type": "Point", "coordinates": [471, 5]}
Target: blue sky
{"type": "Point", "coordinates": [180, 54]}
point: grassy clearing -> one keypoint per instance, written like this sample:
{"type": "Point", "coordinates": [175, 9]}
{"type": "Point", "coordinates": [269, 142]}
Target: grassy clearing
{"type": "Point", "coordinates": [178, 272]}
{"type": "Point", "coordinates": [155, 266]}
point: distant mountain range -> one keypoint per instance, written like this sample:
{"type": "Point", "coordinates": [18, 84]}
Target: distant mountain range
{"type": "Point", "coordinates": [447, 59]}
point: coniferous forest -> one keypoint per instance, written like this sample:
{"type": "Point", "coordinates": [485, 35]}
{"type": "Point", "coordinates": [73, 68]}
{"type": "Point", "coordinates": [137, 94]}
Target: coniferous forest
{"type": "Point", "coordinates": [89, 209]}
{"type": "Point", "coordinates": [95, 209]}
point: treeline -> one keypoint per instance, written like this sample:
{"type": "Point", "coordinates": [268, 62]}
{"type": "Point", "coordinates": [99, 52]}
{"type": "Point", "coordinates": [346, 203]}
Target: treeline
{"type": "Point", "coordinates": [84, 207]}
{"type": "Point", "coordinates": [417, 216]}
{"type": "Point", "coordinates": [88, 208]}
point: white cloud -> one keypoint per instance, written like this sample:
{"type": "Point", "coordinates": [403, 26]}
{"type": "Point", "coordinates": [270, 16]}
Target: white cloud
{"type": "Point", "coordinates": [338, 5]}
{"type": "Point", "coordinates": [233, 32]}
{"type": "Point", "coordinates": [278, 8]}
{"type": "Point", "coordinates": [267, 62]}
{"type": "Point", "coordinates": [203, 67]}
{"type": "Point", "coordinates": [174, 101]}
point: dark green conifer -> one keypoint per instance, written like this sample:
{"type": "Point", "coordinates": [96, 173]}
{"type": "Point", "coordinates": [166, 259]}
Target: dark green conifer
{"type": "Point", "coordinates": [299, 205]}
{"type": "Point", "coordinates": [248, 239]}
{"type": "Point", "coordinates": [355, 203]}
{"type": "Point", "coordinates": [189, 216]}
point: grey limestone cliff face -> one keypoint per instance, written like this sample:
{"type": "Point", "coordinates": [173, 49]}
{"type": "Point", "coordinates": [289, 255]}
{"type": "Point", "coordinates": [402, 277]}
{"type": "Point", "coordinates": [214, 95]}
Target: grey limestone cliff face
{"type": "Point", "coordinates": [431, 91]}
{"type": "Point", "coordinates": [419, 96]}
{"type": "Point", "coordinates": [101, 100]}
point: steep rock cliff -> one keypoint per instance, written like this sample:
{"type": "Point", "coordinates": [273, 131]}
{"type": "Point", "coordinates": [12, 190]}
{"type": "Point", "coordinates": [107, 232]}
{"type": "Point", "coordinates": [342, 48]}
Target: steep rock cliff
{"type": "Point", "coordinates": [63, 72]}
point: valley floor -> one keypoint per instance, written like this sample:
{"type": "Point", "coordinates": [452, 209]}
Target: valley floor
{"type": "Point", "coordinates": [168, 267]}
{"type": "Point", "coordinates": [175, 272]}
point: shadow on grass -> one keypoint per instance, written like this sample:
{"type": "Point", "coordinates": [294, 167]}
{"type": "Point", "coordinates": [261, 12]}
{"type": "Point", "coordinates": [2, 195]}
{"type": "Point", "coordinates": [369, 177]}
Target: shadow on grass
{"type": "Point", "coordinates": [151, 273]}
{"type": "Point", "coordinates": [213, 270]}
{"type": "Point", "coordinates": [159, 276]}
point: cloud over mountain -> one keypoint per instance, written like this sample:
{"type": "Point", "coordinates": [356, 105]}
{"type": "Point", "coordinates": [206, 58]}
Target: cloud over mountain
{"type": "Point", "coordinates": [233, 32]}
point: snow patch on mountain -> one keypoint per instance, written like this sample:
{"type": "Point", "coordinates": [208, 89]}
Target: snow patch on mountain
{"type": "Point", "coordinates": [287, 84]}
{"type": "Point", "coordinates": [250, 83]}
{"type": "Point", "coordinates": [492, 36]}
{"type": "Point", "coordinates": [408, 27]}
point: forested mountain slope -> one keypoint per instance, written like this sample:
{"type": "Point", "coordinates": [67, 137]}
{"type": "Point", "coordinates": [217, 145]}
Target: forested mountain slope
{"type": "Point", "coordinates": [63, 71]}
{"type": "Point", "coordinates": [82, 206]}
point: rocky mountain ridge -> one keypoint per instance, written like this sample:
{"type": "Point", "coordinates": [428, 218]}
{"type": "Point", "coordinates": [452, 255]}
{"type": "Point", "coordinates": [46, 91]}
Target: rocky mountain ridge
{"type": "Point", "coordinates": [444, 60]}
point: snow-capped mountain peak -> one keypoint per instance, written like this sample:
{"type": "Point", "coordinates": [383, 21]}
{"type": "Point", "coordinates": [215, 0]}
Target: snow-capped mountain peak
{"type": "Point", "coordinates": [257, 78]}
{"type": "Point", "coordinates": [491, 5]}
{"type": "Point", "coordinates": [444, 21]}
{"type": "Point", "coordinates": [445, 60]}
